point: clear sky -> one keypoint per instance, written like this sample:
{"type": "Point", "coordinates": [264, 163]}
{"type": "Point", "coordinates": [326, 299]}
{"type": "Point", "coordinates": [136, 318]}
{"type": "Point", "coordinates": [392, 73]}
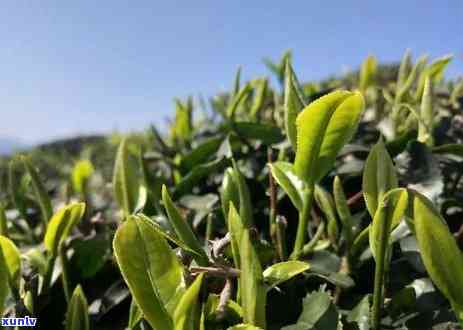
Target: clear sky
{"type": "Point", "coordinates": [70, 67]}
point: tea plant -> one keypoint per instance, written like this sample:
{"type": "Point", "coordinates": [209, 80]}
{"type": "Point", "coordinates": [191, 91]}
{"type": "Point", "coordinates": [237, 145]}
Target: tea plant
{"type": "Point", "coordinates": [316, 205]}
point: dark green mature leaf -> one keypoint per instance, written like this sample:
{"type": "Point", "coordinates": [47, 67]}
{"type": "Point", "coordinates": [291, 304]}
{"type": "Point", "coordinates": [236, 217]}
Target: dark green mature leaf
{"type": "Point", "coordinates": [11, 259]}
{"type": "Point", "coordinates": [318, 313]}
{"type": "Point", "coordinates": [323, 128]}
{"type": "Point", "coordinates": [183, 229]}
{"type": "Point", "coordinates": [3, 221]}
{"type": "Point", "coordinates": [284, 175]}
{"type": "Point", "coordinates": [125, 180]}
{"type": "Point", "coordinates": [41, 194]}
{"type": "Point", "coordinates": [379, 176]}
{"type": "Point", "coordinates": [266, 133]}
{"type": "Point", "coordinates": [151, 270]}
{"type": "Point", "coordinates": [199, 173]}
{"type": "Point", "coordinates": [450, 149]}
{"type": "Point", "coordinates": [293, 103]}
{"type": "Point", "coordinates": [77, 313]}
{"type": "Point", "coordinates": [61, 224]}
{"type": "Point", "coordinates": [90, 254]}
{"type": "Point", "coordinates": [283, 271]}
{"type": "Point", "coordinates": [186, 316]}
{"type": "Point", "coordinates": [244, 327]}
{"type": "Point", "coordinates": [441, 255]}
{"type": "Point", "coordinates": [361, 314]}
{"type": "Point", "coordinates": [253, 292]}
{"type": "Point", "coordinates": [200, 154]}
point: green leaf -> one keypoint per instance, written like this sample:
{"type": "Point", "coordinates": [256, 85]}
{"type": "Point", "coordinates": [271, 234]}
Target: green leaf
{"type": "Point", "coordinates": [426, 122]}
{"type": "Point", "coordinates": [90, 254]}
{"type": "Point", "coordinates": [61, 224]}
{"type": "Point", "coordinates": [379, 176]}
{"type": "Point", "coordinates": [284, 175]}
{"type": "Point", "coordinates": [238, 99]}
{"type": "Point", "coordinates": [440, 253]}
{"type": "Point", "coordinates": [405, 85]}
{"type": "Point", "coordinates": [11, 258]}
{"type": "Point", "coordinates": [41, 194]}
{"type": "Point", "coordinates": [361, 314]}
{"type": "Point", "coordinates": [37, 260]}
{"type": "Point", "coordinates": [229, 192]}
{"type": "Point", "coordinates": [135, 315]}
{"type": "Point", "coordinates": [253, 292]}
{"type": "Point", "coordinates": [343, 209]}
{"type": "Point", "coordinates": [283, 271]}
{"type": "Point", "coordinates": [4, 280]}
{"type": "Point", "coordinates": [293, 103]}
{"type": "Point", "coordinates": [244, 327]}
{"type": "Point", "coordinates": [367, 72]}
{"type": "Point", "coordinates": [323, 128]}
{"type": "Point", "coordinates": [245, 206]}
{"type": "Point", "coordinates": [326, 203]}
{"type": "Point", "coordinates": [183, 229]}
{"type": "Point", "coordinates": [77, 313]}
{"type": "Point", "coordinates": [125, 180]}
{"type": "Point", "coordinates": [260, 91]}
{"type": "Point", "coordinates": [186, 316]}
{"type": "Point", "coordinates": [434, 71]}
{"type": "Point", "coordinates": [81, 172]}
{"type": "Point", "coordinates": [183, 127]}
{"type": "Point", "coordinates": [405, 68]}
{"type": "Point", "coordinates": [266, 133]}
{"type": "Point", "coordinates": [449, 149]}
{"type": "Point", "coordinates": [200, 154]}
{"type": "Point", "coordinates": [151, 270]}
{"type": "Point", "coordinates": [3, 221]}
{"type": "Point", "coordinates": [388, 215]}
{"type": "Point", "coordinates": [18, 196]}
{"type": "Point", "coordinates": [318, 313]}
{"type": "Point", "coordinates": [235, 228]}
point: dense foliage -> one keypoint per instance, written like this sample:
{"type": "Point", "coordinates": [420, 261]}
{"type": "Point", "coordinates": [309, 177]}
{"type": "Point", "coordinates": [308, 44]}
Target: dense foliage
{"type": "Point", "coordinates": [332, 205]}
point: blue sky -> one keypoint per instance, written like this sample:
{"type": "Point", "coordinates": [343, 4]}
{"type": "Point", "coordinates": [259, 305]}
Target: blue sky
{"type": "Point", "coordinates": [69, 67]}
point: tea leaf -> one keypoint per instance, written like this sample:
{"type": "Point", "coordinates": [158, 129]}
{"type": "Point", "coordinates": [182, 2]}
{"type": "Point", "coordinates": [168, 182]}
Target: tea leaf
{"type": "Point", "coordinates": [434, 71]}
{"type": "Point", "coordinates": [361, 314]}
{"type": "Point", "coordinates": [266, 133]}
{"type": "Point", "coordinates": [379, 176]}
{"type": "Point", "coordinates": [426, 124]}
{"type": "Point", "coordinates": [326, 203]}
{"type": "Point", "coordinates": [244, 327]}
{"type": "Point", "coordinates": [135, 315]}
{"type": "Point", "coordinates": [230, 192]}
{"type": "Point", "coordinates": [77, 313]}
{"type": "Point", "coordinates": [283, 271]}
{"type": "Point", "coordinates": [151, 270]}
{"type": "Point", "coordinates": [237, 100]}
{"type": "Point", "coordinates": [40, 192]}
{"type": "Point", "coordinates": [3, 221]}
{"type": "Point", "coordinates": [451, 149]}
{"type": "Point", "coordinates": [125, 180]}
{"type": "Point", "coordinates": [343, 209]}
{"type": "Point", "coordinates": [183, 229]}
{"type": "Point", "coordinates": [245, 206]}
{"type": "Point", "coordinates": [235, 228]}
{"type": "Point", "coordinates": [440, 253]}
{"type": "Point", "coordinates": [186, 316]}
{"type": "Point", "coordinates": [253, 293]}
{"type": "Point", "coordinates": [4, 280]}
{"type": "Point", "coordinates": [200, 154]}
{"type": "Point", "coordinates": [323, 128]}
{"type": "Point", "coordinates": [367, 72]}
{"type": "Point", "coordinates": [80, 175]}
{"type": "Point", "coordinates": [259, 98]}
{"type": "Point", "coordinates": [61, 224]}
{"type": "Point", "coordinates": [284, 175]}
{"type": "Point", "coordinates": [11, 258]}
{"type": "Point", "coordinates": [293, 104]}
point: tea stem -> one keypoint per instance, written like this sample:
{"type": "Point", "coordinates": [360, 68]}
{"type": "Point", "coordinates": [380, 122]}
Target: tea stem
{"type": "Point", "coordinates": [304, 217]}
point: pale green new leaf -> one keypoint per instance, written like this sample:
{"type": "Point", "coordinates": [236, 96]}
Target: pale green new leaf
{"type": "Point", "coordinates": [41, 194]}
{"type": "Point", "coordinates": [61, 224]}
{"type": "Point", "coordinates": [283, 271]}
{"type": "Point", "coordinates": [440, 253]}
{"type": "Point", "coordinates": [77, 313]}
{"type": "Point", "coordinates": [11, 259]}
{"type": "Point", "coordinates": [187, 313]}
{"type": "Point", "coordinates": [253, 292]}
{"type": "Point", "coordinates": [323, 128]}
{"type": "Point", "coordinates": [426, 123]}
{"type": "Point", "coordinates": [238, 99]}
{"type": "Point", "coordinates": [388, 215]}
{"type": "Point", "coordinates": [367, 72]}
{"type": "Point", "coordinates": [245, 206]}
{"type": "Point", "coordinates": [135, 315]}
{"type": "Point", "coordinates": [183, 229]}
{"type": "Point", "coordinates": [379, 176]}
{"type": "Point", "coordinates": [235, 228]}
{"type": "Point", "coordinates": [4, 280]}
{"type": "Point", "coordinates": [81, 172]}
{"type": "Point", "coordinates": [229, 192]}
{"type": "Point", "coordinates": [293, 104]}
{"type": "Point", "coordinates": [151, 270]}
{"type": "Point", "coordinates": [125, 180]}
{"type": "Point", "coordinates": [343, 209]}
{"type": "Point", "coordinates": [284, 175]}
{"type": "Point", "coordinates": [244, 327]}
{"type": "Point", "coordinates": [434, 71]}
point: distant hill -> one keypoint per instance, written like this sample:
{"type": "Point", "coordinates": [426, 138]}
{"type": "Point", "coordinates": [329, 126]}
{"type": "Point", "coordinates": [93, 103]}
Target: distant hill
{"type": "Point", "coordinates": [10, 145]}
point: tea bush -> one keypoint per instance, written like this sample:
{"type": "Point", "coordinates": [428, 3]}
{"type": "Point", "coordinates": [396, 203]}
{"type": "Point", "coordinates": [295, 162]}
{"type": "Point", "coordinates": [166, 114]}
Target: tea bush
{"type": "Point", "coordinates": [330, 205]}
